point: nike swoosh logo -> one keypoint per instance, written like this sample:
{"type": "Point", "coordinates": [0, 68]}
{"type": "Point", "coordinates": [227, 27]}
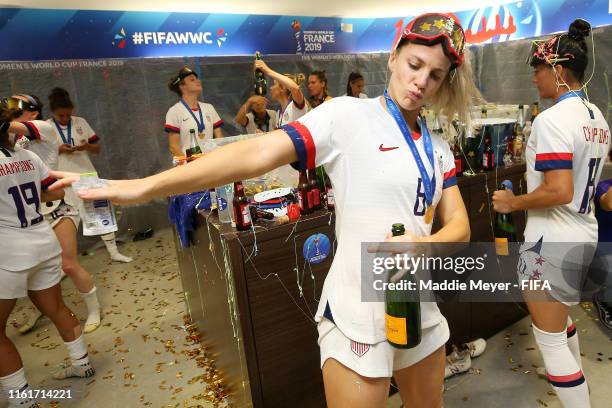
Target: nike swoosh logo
{"type": "Point", "coordinates": [386, 149]}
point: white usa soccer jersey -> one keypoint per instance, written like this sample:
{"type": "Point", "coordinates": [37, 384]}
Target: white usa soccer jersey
{"type": "Point", "coordinates": [180, 120]}
{"type": "Point", "coordinates": [43, 142]}
{"type": "Point", "coordinates": [376, 184]}
{"type": "Point", "coordinates": [566, 137]}
{"type": "Point", "coordinates": [292, 112]}
{"type": "Point", "coordinates": [27, 240]}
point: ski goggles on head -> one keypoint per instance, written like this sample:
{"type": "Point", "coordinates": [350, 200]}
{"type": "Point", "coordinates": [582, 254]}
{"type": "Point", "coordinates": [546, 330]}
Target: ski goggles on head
{"type": "Point", "coordinates": [16, 103]}
{"type": "Point", "coordinates": [182, 74]}
{"type": "Point", "coordinates": [434, 28]}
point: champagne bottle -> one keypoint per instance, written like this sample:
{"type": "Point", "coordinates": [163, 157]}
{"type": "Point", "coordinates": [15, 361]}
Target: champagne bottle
{"type": "Point", "coordinates": [260, 85]}
{"type": "Point", "coordinates": [242, 213]}
{"type": "Point", "coordinates": [535, 110]}
{"type": "Point", "coordinates": [402, 317]}
{"type": "Point", "coordinates": [504, 228]}
{"type": "Point", "coordinates": [488, 155]}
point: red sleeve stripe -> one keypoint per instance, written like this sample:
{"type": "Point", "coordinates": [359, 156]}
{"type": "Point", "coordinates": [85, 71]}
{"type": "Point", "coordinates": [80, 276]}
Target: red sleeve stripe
{"type": "Point", "coordinates": [33, 130]}
{"type": "Point", "coordinates": [303, 143]}
{"type": "Point", "coordinates": [554, 156]}
{"type": "Point", "coordinates": [218, 124]}
{"type": "Point", "coordinates": [450, 179]}
{"type": "Point", "coordinates": [171, 129]}
{"type": "Point", "coordinates": [93, 139]}
{"type": "Point", "coordinates": [47, 182]}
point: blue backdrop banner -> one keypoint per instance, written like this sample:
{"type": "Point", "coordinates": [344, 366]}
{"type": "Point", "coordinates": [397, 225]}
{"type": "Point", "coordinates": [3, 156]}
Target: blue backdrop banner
{"type": "Point", "coordinates": [40, 34]}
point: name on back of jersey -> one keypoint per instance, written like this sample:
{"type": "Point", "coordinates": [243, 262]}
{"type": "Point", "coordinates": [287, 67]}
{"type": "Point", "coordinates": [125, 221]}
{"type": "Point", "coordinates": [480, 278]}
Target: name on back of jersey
{"type": "Point", "coordinates": [594, 134]}
{"type": "Point", "coordinates": [21, 166]}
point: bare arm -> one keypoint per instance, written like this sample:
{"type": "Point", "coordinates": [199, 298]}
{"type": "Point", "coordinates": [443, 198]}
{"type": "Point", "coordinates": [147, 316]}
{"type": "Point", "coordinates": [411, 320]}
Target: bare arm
{"type": "Point", "coordinates": [556, 189]}
{"type": "Point", "coordinates": [248, 158]}
{"type": "Point", "coordinates": [174, 143]}
{"type": "Point", "coordinates": [47, 195]}
{"type": "Point", "coordinates": [605, 201]}
{"type": "Point", "coordinates": [241, 116]}
{"type": "Point", "coordinates": [453, 217]}
{"type": "Point", "coordinates": [217, 133]}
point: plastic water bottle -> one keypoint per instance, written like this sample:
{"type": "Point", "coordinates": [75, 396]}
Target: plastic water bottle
{"type": "Point", "coordinates": [223, 203]}
{"type": "Point", "coordinates": [97, 215]}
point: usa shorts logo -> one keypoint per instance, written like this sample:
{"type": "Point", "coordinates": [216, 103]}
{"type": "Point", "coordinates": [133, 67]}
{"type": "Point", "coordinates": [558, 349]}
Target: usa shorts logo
{"type": "Point", "coordinates": [359, 348]}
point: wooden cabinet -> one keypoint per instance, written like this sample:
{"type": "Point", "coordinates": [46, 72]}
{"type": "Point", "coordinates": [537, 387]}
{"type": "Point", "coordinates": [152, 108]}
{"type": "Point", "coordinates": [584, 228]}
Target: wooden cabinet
{"type": "Point", "coordinates": [257, 323]}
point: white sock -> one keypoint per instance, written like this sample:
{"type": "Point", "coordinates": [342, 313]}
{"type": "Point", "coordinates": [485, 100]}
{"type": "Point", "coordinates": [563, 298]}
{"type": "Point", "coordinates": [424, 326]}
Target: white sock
{"type": "Point", "coordinates": [93, 310]}
{"type": "Point", "coordinates": [572, 341]}
{"type": "Point", "coordinates": [16, 382]}
{"type": "Point", "coordinates": [562, 369]}
{"type": "Point", "coordinates": [111, 247]}
{"type": "Point", "coordinates": [77, 349]}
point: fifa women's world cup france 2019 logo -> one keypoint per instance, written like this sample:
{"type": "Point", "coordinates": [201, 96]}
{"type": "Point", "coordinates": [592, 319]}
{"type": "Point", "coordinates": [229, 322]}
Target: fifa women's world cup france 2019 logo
{"type": "Point", "coordinates": [297, 34]}
{"type": "Point", "coordinates": [316, 248]}
{"type": "Point", "coordinates": [511, 21]}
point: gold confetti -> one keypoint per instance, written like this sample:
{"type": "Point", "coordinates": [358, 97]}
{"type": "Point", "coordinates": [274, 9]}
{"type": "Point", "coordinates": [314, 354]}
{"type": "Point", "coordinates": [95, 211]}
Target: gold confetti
{"type": "Point", "coordinates": [542, 403]}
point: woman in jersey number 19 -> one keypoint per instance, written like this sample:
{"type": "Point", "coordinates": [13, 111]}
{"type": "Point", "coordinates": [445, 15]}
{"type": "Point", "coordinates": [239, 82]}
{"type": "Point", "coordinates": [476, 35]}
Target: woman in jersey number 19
{"type": "Point", "coordinates": [369, 149]}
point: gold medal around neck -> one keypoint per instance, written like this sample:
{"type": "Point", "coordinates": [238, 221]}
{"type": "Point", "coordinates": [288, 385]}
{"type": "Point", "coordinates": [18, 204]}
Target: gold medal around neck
{"type": "Point", "coordinates": [429, 214]}
{"type": "Point", "coordinates": [201, 135]}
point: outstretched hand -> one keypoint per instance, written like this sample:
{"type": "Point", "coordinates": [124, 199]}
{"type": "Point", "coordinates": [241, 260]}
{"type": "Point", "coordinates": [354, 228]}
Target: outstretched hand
{"type": "Point", "coordinates": [118, 191]}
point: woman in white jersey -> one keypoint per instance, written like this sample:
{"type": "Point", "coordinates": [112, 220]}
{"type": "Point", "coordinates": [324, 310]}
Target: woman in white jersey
{"type": "Point", "coordinates": [39, 136]}
{"type": "Point", "coordinates": [77, 141]}
{"type": "Point", "coordinates": [286, 91]}
{"type": "Point", "coordinates": [30, 264]}
{"type": "Point", "coordinates": [189, 118]}
{"type": "Point", "coordinates": [366, 148]}
{"type": "Point", "coordinates": [565, 155]}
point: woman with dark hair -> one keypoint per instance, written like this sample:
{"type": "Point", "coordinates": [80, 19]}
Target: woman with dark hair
{"type": "Point", "coordinates": [77, 141]}
{"type": "Point", "coordinates": [189, 115]}
{"type": "Point", "coordinates": [317, 89]}
{"type": "Point", "coordinates": [564, 155]}
{"type": "Point", "coordinates": [30, 264]}
{"type": "Point", "coordinates": [355, 85]}
{"type": "Point", "coordinates": [347, 137]}
{"type": "Point", "coordinates": [39, 137]}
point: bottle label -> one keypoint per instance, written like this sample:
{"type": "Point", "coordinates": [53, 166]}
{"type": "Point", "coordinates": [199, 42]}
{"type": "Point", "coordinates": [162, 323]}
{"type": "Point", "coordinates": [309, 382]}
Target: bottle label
{"type": "Point", "coordinates": [330, 197]}
{"type": "Point", "coordinates": [301, 200]}
{"type": "Point", "coordinates": [396, 329]}
{"type": "Point", "coordinates": [309, 195]}
{"type": "Point", "coordinates": [246, 215]}
{"type": "Point", "coordinates": [502, 247]}
{"type": "Point", "coordinates": [316, 197]}
{"type": "Point", "coordinates": [485, 161]}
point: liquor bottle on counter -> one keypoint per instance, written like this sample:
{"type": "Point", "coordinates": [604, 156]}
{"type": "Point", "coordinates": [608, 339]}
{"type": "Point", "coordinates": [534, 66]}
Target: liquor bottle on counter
{"type": "Point", "coordinates": [329, 194]}
{"type": "Point", "coordinates": [260, 85]}
{"type": "Point", "coordinates": [535, 110]}
{"type": "Point", "coordinates": [471, 153]}
{"type": "Point", "coordinates": [314, 189]}
{"type": "Point", "coordinates": [488, 155]}
{"type": "Point", "coordinates": [517, 153]}
{"type": "Point", "coordinates": [304, 194]}
{"type": "Point", "coordinates": [194, 147]}
{"type": "Point", "coordinates": [402, 308]}
{"type": "Point", "coordinates": [242, 213]}
{"type": "Point", "coordinates": [458, 158]}
{"type": "Point", "coordinates": [504, 229]}
{"type": "Point", "coordinates": [437, 126]}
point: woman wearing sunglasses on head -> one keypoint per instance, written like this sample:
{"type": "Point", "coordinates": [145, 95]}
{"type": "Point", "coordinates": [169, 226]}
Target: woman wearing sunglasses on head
{"type": "Point", "coordinates": [39, 137]}
{"type": "Point", "coordinates": [30, 264]}
{"type": "Point", "coordinates": [368, 148]}
{"type": "Point", "coordinates": [565, 155]}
